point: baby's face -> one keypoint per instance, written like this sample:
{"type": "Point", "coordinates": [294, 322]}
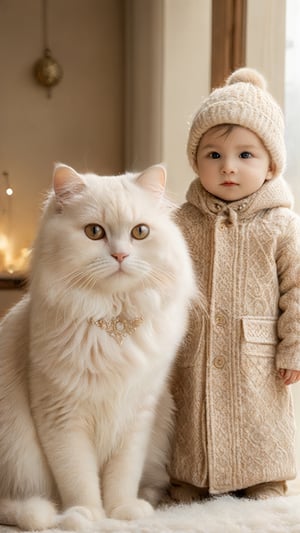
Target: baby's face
{"type": "Point", "coordinates": [232, 165]}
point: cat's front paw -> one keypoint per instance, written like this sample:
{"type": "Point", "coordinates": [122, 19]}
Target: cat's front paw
{"type": "Point", "coordinates": [79, 518]}
{"type": "Point", "coordinates": [131, 510]}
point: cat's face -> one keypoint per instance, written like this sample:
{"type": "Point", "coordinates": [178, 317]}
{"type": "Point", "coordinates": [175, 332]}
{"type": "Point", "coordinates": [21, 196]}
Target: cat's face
{"type": "Point", "coordinates": [109, 233]}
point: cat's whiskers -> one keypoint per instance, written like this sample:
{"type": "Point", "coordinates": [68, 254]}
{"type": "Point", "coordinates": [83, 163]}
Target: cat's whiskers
{"type": "Point", "coordinates": [87, 283]}
{"type": "Point", "coordinates": [77, 278]}
{"type": "Point", "coordinates": [69, 281]}
{"type": "Point", "coordinates": [102, 267]}
{"type": "Point", "coordinates": [160, 276]}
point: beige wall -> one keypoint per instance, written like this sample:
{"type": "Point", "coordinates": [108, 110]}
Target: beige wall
{"type": "Point", "coordinates": [169, 74]}
{"type": "Point", "coordinates": [82, 123]}
{"type": "Point", "coordinates": [265, 45]}
{"type": "Point", "coordinates": [144, 72]}
{"type": "Point", "coordinates": [186, 80]}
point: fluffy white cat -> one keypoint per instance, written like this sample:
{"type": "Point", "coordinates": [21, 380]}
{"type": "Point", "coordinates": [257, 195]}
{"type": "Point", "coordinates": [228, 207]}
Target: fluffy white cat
{"type": "Point", "coordinates": [85, 413]}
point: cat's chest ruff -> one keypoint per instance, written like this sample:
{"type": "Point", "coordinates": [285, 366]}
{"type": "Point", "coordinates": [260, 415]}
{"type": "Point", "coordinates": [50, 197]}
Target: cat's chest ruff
{"type": "Point", "coordinates": [118, 327]}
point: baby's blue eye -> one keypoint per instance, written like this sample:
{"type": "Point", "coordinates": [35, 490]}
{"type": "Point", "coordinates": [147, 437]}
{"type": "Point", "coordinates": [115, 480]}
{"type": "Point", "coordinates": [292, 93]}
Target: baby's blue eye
{"type": "Point", "coordinates": [214, 155]}
{"type": "Point", "coordinates": [245, 155]}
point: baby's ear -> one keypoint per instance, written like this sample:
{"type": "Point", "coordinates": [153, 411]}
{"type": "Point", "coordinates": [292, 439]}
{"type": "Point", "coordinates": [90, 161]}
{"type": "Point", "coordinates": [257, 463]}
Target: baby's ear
{"type": "Point", "coordinates": [154, 180]}
{"type": "Point", "coordinates": [271, 172]}
{"type": "Point", "coordinates": [66, 182]}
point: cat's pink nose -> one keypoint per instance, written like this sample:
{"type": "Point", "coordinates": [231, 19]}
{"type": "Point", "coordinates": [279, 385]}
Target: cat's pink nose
{"type": "Point", "coordinates": [119, 257]}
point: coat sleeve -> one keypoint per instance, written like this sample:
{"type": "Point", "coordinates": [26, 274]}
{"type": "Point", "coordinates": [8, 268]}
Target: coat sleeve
{"type": "Point", "coordinates": [288, 269]}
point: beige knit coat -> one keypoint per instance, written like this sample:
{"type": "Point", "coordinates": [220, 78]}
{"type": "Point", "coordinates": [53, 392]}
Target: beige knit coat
{"type": "Point", "coordinates": [235, 424]}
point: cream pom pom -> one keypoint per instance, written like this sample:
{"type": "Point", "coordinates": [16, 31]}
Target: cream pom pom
{"type": "Point", "coordinates": [247, 75]}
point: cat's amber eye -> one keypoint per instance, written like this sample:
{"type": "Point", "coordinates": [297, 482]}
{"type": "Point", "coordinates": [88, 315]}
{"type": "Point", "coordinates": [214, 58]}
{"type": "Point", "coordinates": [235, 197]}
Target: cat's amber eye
{"type": "Point", "coordinates": [94, 232]}
{"type": "Point", "coordinates": [141, 231]}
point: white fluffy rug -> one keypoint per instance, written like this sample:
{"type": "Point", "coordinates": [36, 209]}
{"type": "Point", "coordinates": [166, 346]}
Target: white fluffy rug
{"type": "Point", "coordinates": [220, 515]}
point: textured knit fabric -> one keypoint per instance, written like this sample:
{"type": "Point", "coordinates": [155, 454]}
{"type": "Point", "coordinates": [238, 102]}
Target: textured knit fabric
{"type": "Point", "coordinates": [243, 101]}
{"type": "Point", "coordinates": [235, 424]}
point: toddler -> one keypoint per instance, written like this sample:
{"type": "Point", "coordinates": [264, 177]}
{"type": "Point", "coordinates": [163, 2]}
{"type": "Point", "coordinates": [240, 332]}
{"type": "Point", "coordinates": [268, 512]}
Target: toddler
{"type": "Point", "coordinates": [235, 429]}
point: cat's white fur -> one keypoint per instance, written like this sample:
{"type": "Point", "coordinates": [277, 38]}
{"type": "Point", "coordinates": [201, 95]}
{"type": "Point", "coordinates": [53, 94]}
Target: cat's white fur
{"type": "Point", "coordinates": [82, 418]}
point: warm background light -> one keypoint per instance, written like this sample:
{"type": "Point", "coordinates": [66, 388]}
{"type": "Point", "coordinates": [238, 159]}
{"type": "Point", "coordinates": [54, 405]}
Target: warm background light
{"type": "Point", "coordinates": [12, 263]}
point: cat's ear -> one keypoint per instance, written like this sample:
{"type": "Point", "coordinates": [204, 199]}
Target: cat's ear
{"type": "Point", "coordinates": [66, 182]}
{"type": "Point", "coordinates": [153, 179]}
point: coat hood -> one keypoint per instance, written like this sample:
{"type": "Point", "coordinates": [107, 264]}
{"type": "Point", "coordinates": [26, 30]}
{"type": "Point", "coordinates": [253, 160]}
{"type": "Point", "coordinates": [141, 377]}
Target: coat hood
{"type": "Point", "coordinates": [273, 193]}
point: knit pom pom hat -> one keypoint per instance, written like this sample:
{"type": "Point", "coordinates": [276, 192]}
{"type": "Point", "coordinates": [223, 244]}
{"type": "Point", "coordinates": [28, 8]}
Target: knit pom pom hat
{"type": "Point", "coordinates": [245, 101]}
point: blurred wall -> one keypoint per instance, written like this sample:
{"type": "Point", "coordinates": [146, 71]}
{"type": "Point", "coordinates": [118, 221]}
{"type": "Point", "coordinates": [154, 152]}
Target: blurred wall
{"type": "Point", "coordinates": [82, 123]}
{"type": "Point", "coordinates": [168, 73]}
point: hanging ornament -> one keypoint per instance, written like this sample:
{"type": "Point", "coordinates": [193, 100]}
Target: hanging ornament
{"type": "Point", "coordinates": [47, 70]}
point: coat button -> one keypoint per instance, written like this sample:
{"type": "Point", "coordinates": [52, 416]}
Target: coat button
{"type": "Point", "coordinates": [220, 320]}
{"type": "Point", "coordinates": [219, 361]}
{"type": "Point", "coordinates": [225, 225]}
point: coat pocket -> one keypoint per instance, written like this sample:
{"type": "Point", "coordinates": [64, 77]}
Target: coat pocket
{"type": "Point", "coordinates": [259, 336]}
